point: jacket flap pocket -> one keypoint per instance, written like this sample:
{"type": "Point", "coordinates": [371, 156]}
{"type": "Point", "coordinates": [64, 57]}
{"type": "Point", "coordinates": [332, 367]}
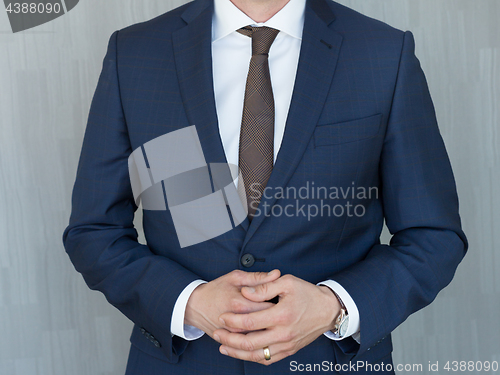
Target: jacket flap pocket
{"type": "Point", "coordinates": [347, 131]}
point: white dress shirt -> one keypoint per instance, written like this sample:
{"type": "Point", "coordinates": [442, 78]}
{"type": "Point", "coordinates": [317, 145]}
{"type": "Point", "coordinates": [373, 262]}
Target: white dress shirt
{"type": "Point", "coordinates": [231, 53]}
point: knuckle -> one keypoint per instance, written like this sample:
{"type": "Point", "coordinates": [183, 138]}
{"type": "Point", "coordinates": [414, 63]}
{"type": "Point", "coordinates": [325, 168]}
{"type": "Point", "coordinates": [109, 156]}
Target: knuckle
{"type": "Point", "coordinates": [297, 346]}
{"type": "Point", "coordinates": [223, 340]}
{"type": "Point", "coordinates": [255, 357]}
{"type": "Point", "coordinates": [288, 280]}
{"type": "Point", "coordinates": [236, 274]}
{"type": "Point", "coordinates": [287, 336]}
{"type": "Point", "coordinates": [235, 305]}
{"type": "Point", "coordinates": [257, 276]}
{"type": "Point", "coordinates": [284, 318]}
{"type": "Point", "coordinates": [279, 320]}
{"type": "Point", "coordinates": [291, 347]}
{"type": "Point", "coordinates": [289, 317]}
{"type": "Point", "coordinates": [248, 323]}
{"type": "Point", "coordinates": [247, 345]}
{"type": "Point", "coordinates": [262, 288]}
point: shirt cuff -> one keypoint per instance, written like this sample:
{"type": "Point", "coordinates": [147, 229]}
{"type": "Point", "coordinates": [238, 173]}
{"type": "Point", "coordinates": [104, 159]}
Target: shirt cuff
{"type": "Point", "coordinates": [177, 326]}
{"type": "Point", "coordinates": [353, 325]}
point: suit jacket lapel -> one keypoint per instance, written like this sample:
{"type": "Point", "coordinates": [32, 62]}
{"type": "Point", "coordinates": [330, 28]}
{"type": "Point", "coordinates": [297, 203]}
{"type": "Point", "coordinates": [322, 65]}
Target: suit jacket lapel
{"type": "Point", "coordinates": [193, 58]}
{"type": "Point", "coordinates": [317, 61]}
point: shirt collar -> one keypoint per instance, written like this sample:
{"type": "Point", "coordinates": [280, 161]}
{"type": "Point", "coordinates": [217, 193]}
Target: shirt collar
{"type": "Point", "coordinates": [228, 18]}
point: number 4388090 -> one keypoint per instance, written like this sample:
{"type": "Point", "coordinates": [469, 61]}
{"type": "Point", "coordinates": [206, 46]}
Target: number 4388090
{"type": "Point", "coordinates": [470, 366]}
{"type": "Point", "coordinates": [33, 8]}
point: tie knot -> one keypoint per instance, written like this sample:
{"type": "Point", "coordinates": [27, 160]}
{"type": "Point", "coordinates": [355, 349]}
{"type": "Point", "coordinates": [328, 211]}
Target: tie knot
{"type": "Point", "coordinates": [262, 38]}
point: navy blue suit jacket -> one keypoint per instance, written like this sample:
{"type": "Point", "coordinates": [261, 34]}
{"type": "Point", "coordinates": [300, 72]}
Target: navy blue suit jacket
{"type": "Point", "coordinates": [361, 115]}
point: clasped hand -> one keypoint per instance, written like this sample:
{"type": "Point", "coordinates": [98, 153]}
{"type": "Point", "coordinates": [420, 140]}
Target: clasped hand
{"type": "Point", "coordinates": [233, 311]}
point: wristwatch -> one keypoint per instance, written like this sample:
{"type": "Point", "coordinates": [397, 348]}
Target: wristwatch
{"type": "Point", "coordinates": [342, 321]}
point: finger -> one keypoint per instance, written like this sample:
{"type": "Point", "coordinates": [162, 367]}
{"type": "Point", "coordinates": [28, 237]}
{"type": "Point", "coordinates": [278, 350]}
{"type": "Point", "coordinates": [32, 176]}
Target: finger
{"type": "Point", "coordinates": [242, 278]}
{"type": "Point", "coordinates": [278, 352]}
{"type": "Point", "coordinates": [253, 340]}
{"type": "Point", "coordinates": [246, 306]}
{"type": "Point", "coordinates": [235, 330]}
{"type": "Point", "coordinates": [256, 320]}
{"type": "Point", "coordinates": [275, 358]}
{"type": "Point", "coordinates": [263, 292]}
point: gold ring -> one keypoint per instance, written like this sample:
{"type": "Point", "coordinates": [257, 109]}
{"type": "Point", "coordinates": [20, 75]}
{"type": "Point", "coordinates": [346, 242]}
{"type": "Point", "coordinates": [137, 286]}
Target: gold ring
{"type": "Point", "coordinates": [267, 353]}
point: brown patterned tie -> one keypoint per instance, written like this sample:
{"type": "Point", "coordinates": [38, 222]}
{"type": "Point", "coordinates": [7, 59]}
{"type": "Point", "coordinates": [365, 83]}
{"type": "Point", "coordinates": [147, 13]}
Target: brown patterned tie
{"type": "Point", "coordinates": [256, 150]}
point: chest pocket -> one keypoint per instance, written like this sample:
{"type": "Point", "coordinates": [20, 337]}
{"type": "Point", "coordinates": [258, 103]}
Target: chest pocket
{"type": "Point", "coordinates": [347, 131]}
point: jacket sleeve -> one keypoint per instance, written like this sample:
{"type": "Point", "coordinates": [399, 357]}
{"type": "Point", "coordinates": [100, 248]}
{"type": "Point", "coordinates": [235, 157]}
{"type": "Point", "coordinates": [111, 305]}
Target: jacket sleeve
{"type": "Point", "coordinates": [421, 211]}
{"type": "Point", "coordinates": [101, 240]}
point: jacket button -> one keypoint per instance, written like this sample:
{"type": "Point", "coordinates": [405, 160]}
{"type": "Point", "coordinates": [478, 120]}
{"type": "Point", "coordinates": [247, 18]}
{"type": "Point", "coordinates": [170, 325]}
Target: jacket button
{"type": "Point", "coordinates": [247, 260]}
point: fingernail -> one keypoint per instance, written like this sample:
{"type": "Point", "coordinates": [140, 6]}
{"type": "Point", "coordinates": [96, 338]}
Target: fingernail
{"type": "Point", "coordinates": [270, 272]}
{"type": "Point", "coordinates": [223, 351]}
{"type": "Point", "coordinates": [222, 321]}
{"type": "Point", "coordinates": [216, 337]}
{"type": "Point", "coordinates": [250, 289]}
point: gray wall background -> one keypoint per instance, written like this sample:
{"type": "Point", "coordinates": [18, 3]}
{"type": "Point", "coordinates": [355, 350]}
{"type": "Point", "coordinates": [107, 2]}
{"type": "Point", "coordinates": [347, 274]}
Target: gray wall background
{"type": "Point", "coordinates": [51, 324]}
